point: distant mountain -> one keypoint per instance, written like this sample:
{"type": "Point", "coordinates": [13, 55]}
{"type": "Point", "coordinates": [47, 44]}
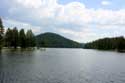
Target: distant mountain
{"type": "Point", "coordinates": [54, 40]}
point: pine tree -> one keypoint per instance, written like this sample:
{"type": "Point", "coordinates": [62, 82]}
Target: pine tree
{"type": "Point", "coordinates": [1, 33]}
{"type": "Point", "coordinates": [22, 39]}
{"type": "Point", "coordinates": [121, 43]}
{"type": "Point", "coordinates": [1, 27]}
{"type": "Point", "coordinates": [15, 37]}
{"type": "Point", "coordinates": [30, 39]}
{"type": "Point", "coordinates": [8, 38]}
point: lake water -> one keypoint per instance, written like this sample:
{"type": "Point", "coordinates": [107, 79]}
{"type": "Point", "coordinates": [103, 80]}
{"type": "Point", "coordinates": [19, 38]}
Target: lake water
{"type": "Point", "coordinates": [62, 66]}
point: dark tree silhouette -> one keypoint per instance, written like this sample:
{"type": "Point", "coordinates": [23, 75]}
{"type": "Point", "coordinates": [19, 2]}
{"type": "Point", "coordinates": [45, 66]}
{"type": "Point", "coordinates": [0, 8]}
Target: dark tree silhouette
{"type": "Point", "coordinates": [15, 37]}
{"type": "Point", "coordinates": [117, 43]}
{"type": "Point", "coordinates": [8, 38]}
{"type": "Point", "coordinates": [1, 33]}
{"type": "Point", "coordinates": [30, 39]}
{"type": "Point", "coordinates": [22, 39]}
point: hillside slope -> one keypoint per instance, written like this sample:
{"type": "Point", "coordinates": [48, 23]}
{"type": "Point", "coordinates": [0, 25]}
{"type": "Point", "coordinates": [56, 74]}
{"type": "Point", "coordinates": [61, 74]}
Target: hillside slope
{"type": "Point", "coordinates": [56, 41]}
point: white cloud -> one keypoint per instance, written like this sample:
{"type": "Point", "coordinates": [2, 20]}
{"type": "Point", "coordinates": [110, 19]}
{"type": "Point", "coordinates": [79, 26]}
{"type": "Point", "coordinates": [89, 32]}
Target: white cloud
{"type": "Point", "coordinates": [84, 35]}
{"type": "Point", "coordinates": [49, 13]}
{"type": "Point", "coordinates": [30, 3]}
{"type": "Point", "coordinates": [13, 23]}
{"type": "Point", "coordinates": [74, 12]}
{"type": "Point", "coordinates": [105, 3]}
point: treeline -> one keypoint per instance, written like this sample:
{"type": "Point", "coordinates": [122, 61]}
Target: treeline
{"type": "Point", "coordinates": [14, 38]}
{"type": "Point", "coordinates": [117, 43]}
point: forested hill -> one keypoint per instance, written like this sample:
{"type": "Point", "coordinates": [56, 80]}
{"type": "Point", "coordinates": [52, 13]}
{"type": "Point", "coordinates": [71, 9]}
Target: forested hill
{"type": "Point", "coordinates": [54, 40]}
{"type": "Point", "coordinates": [117, 43]}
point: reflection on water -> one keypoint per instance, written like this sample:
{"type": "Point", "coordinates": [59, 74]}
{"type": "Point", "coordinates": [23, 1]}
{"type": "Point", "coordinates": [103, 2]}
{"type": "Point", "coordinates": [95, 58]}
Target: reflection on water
{"type": "Point", "coordinates": [61, 66]}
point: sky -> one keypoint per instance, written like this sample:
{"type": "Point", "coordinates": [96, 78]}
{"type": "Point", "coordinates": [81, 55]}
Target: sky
{"type": "Point", "coordinates": [79, 20]}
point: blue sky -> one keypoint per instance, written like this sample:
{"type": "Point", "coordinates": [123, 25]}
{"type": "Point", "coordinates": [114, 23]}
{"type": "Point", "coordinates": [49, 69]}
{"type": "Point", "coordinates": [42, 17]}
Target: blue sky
{"type": "Point", "coordinates": [80, 20]}
{"type": "Point", "coordinates": [115, 4]}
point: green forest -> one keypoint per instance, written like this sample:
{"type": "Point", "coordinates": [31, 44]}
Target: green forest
{"type": "Point", "coordinates": [117, 43]}
{"type": "Point", "coordinates": [57, 41]}
{"type": "Point", "coordinates": [14, 38]}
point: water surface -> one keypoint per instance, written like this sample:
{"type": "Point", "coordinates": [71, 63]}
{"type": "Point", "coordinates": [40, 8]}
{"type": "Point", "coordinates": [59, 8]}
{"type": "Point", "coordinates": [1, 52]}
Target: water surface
{"type": "Point", "coordinates": [61, 66]}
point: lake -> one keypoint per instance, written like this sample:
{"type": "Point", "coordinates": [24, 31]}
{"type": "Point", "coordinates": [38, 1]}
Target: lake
{"type": "Point", "coordinates": [62, 66]}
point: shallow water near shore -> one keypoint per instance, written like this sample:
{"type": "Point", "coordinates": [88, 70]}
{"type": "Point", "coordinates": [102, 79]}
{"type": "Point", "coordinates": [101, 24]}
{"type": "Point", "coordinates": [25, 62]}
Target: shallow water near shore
{"type": "Point", "coordinates": [61, 65]}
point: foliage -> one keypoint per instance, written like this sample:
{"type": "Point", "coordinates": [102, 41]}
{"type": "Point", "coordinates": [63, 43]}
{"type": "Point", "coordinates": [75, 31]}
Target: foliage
{"type": "Point", "coordinates": [117, 43]}
{"type": "Point", "coordinates": [22, 39]}
{"type": "Point", "coordinates": [13, 38]}
{"type": "Point", "coordinates": [8, 38]}
{"type": "Point", "coordinates": [56, 41]}
{"type": "Point", "coordinates": [1, 33]}
{"type": "Point", "coordinates": [30, 39]}
{"type": "Point", "coordinates": [1, 27]}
